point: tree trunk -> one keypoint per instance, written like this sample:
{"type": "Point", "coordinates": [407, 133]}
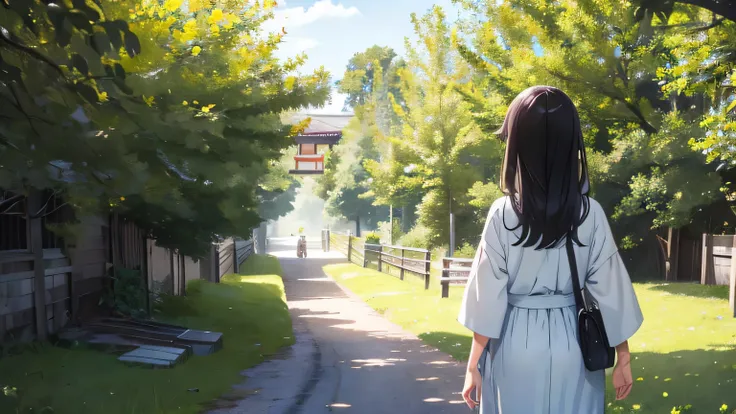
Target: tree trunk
{"type": "Point", "coordinates": [673, 254]}
{"type": "Point", "coordinates": [357, 226]}
{"type": "Point", "coordinates": [407, 218]}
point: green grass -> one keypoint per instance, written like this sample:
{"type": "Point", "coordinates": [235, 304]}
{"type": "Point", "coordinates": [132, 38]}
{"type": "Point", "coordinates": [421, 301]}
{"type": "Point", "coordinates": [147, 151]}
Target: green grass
{"type": "Point", "coordinates": [685, 348]}
{"type": "Point", "coordinates": [249, 310]}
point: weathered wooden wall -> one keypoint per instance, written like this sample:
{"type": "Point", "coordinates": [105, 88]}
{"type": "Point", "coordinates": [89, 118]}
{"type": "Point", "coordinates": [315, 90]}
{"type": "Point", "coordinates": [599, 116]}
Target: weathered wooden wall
{"type": "Point", "coordinates": [90, 254]}
{"type": "Point", "coordinates": [76, 272]}
{"type": "Point", "coordinates": [716, 259]}
{"type": "Point", "coordinates": [17, 294]}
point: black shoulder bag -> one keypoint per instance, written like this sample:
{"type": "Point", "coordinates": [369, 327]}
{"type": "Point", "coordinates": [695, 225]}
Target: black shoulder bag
{"type": "Point", "coordinates": [597, 352]}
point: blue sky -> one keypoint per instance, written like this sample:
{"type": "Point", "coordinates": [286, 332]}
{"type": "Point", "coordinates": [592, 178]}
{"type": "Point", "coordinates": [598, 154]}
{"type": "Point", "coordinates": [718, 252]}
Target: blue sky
{"type": "Point", "coordinates": [332, 31]}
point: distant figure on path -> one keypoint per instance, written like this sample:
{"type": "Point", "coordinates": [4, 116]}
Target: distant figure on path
{"type": "Point", "coordinates": [519, 299]}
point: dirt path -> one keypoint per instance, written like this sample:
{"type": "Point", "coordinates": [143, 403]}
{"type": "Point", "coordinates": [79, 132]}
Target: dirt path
{"type": "Point", "coordinates": [347, 357]}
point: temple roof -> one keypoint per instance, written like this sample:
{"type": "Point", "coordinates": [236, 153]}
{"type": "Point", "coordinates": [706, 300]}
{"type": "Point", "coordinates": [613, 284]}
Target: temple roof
{"type": "Point", "coordinates": [323, 123]}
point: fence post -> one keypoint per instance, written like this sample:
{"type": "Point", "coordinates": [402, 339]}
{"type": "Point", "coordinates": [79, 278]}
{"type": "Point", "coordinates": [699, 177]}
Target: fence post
{"type": "Point", "coordinates": [216, 263]}
{"type": "Point", "coordinates": [328, 240]}
{"type": "Point", "coordinates": [445, 283]}
{"type": "Point", "coordinates": [34, 204]}
{"type": "Point", "coordinates": [350, 245]}
{"type": "Point", "coordinates": [365, 256]}
{"type": "Point", "coordinates": [707, 273]}
{"type": "Point", "coordinates": [380, 258]}
{"type": "Point", "coordinates": [401, 269]}
{"type": "Point", "coordinates": [427, 268]}
{"type": "Point", "coordinates": [732, 280]}
{"type": "Point", "coordinates": [236, 265]}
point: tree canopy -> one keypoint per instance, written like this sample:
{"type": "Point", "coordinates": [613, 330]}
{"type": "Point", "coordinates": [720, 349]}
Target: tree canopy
{"type": "Point", "coordinates": [178, 129]}
{"type": "Point", "coordinates": [652, 82]}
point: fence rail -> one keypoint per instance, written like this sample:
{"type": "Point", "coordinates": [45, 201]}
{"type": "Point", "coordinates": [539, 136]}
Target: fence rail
{"type": "Point", "coordinates": [244, 249]}
{"type": "Point", "coordinates": [455, 271]}
{"type": "Point", "coordinates": [386, 259]}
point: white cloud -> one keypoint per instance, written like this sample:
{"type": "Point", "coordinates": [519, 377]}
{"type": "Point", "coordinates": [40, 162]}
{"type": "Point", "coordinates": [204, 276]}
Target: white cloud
{"type": "Point", "coordinates": [293, 17]}
{"type": "Point", "coordinates": [292, 46]}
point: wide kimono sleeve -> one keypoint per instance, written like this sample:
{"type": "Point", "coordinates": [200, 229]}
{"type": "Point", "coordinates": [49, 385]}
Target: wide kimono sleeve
{"type": "Point", "coordinates": [485, 300]}
{"type": "Point", "coordinates": [609, 284]}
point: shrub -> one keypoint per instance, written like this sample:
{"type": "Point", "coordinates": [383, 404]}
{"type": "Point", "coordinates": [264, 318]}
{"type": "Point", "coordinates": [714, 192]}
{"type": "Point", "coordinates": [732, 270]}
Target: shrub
{"type": "Point", "coordinates": [127, 294]}
{"type": "Point", "coordinates": [194, 287]}
{"type": "Point", "coordinates": [467, 251]}
{"type": "Point", "coordinates": [385, 231]}
{"type": "Point", "coordinates": [372, 238]}
{"type": "Point", "coordinates": [417, 237]}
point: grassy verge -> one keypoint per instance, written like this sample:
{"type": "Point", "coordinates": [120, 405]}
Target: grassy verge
{"type": "Point", "coordinates": [249, 309]}
{"type": "Point", "coordinates": [685, 353]}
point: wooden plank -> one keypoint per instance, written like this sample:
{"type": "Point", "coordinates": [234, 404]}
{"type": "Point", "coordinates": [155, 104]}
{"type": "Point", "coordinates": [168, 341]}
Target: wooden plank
{"type": "Point", "coordinates": [61, 279]}
{"type": "Point", "coordinates": [34, 204]}
{"type": "Point", "coordinates": [146, 361]}
{"type": "Point", "coordinates": [15, 256]}
{"type": "Point", "coordinates": [86, 286]}
{"type": "Point", "coordinates": [169, 349]}
{"type": "Point", "coordinates": [723, 241]}
{"type": "Point", "coordinates": [53, 254]}
{"type": "Point", "coordinates": [194, 335]}
{"type": "Point", "coordinates": [31, 274]}
{"type": "Point", "coordinates": [16, 288]}
{"type": "Point", "coordinates": [706, 270]}
{"type": "Point", "coordinates": [19, 319]}
{"type": "Point", "coordinates": [57, 294]}
{"type": "Point", "coordinates": [155, 354]}
{"type": "Point", "coordinates": [16, 304]}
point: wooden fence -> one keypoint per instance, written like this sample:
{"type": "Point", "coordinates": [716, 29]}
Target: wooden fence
{"type": "Point", "coordinates": [455, 271]}
{"type": "Point", "coordinates": [392, 260]}
{"type": "Point", "coordinates": [230, 254]}
{"type": "Point", "coordinates": [46, 282]}
{"type": "Point", "coordinates": [718, 266]}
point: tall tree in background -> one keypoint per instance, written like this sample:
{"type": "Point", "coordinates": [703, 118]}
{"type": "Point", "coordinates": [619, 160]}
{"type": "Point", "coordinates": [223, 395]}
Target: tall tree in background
{"type": "Point", "coordinates": [607, 58]}
{"type": "Point", "coordinates": [437, 152]}
{"type": "Point", "coordinates": [369, 78]}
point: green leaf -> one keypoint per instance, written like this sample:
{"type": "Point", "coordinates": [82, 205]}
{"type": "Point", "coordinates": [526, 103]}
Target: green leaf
{"type": "Point", "coordinates": [100, 43]}
{"type": "Point", "coordinates": [87, 92]}
{"type": "Point", "coordinates": [132, 44]}
{"type": "Point", "coordinates": [82, 6]}
{"type": "Point", "coordinates": [731, 106]}
{"type": "Point", "coordinates": [80, 64]}
{"type": "Point", "coordinates": [124, 88]}
{"type": "Point", "coordinates": [80, 21]}
{"type": "Point", "coordinates": [113, 33]}
{"type": "Point", "coordinates": [119, 71]}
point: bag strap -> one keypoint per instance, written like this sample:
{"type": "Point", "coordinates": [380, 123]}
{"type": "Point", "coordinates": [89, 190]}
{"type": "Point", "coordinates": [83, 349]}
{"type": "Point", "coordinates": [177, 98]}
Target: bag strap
{"type": "Point", "coordinates": [577, 291]}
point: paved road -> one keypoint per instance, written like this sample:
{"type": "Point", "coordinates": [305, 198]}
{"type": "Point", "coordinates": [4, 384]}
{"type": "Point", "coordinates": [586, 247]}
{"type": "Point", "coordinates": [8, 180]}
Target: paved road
{"type": "Point", "coordinates": [365, 363]}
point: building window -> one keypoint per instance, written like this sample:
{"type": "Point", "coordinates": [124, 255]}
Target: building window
{"type": "Point", "coordinates": [13, 224]}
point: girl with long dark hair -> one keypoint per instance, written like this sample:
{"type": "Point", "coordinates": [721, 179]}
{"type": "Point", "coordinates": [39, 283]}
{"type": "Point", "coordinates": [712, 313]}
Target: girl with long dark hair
{"type": "Point", "coordinates": [519, 301]}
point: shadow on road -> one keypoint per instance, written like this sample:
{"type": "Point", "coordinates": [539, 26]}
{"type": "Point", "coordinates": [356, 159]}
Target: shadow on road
{"type": "Point", "coordinates": [369, 365]}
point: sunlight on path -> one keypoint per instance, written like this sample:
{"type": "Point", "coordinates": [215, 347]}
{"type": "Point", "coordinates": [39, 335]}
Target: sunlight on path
{"type": "Point", "coordinates": [368, 364]}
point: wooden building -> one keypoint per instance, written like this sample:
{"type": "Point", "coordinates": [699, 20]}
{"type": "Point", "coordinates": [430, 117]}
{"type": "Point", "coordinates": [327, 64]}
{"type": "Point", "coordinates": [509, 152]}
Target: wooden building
{"type": "Point", "coordinates": [323, 132]}
{"type": "Point", "coordinates": [47, 282]}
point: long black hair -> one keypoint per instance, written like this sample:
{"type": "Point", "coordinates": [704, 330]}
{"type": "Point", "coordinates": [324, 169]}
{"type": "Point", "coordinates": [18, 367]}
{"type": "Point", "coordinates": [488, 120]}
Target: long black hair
{"type": "Point", "coordinates": [545, 172]}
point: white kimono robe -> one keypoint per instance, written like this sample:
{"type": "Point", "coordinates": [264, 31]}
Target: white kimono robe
{"type": "Point", "coordinates": [522, 299]}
